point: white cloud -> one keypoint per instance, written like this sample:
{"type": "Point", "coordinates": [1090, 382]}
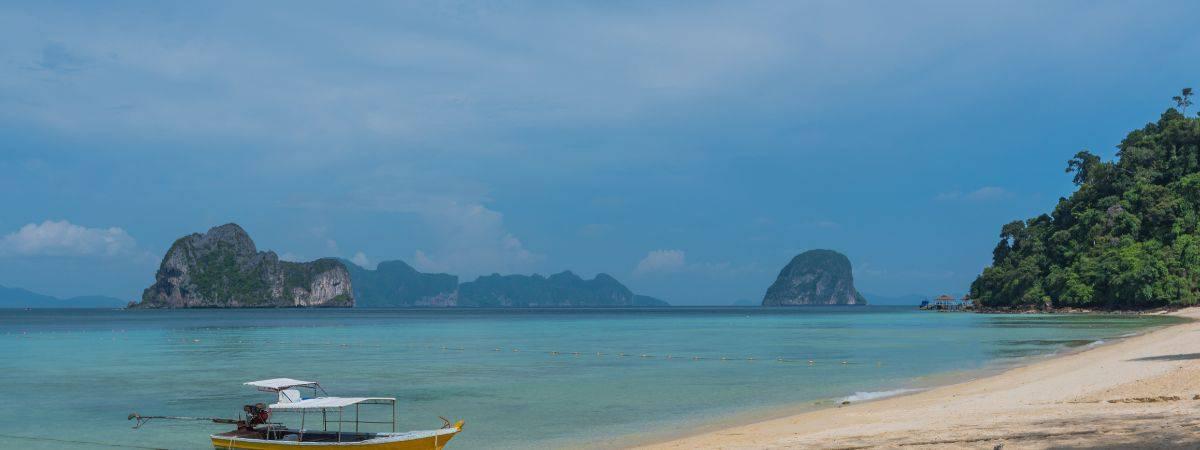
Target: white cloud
{"type": "Point", "coordinates": [986, 193]}
{"type": "Point", "coordinates": [660, 261]}
{"type": "Point", "coordinates": [360, 258]}
{"type": "Point", "coordinates": [472, 240]}
{"type": "Point", "coordinates": [63, 238]}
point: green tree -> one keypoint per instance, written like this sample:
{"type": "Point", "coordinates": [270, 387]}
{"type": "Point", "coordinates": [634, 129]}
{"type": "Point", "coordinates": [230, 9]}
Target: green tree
{"type": "Point", "coordinates": [1183, 100]}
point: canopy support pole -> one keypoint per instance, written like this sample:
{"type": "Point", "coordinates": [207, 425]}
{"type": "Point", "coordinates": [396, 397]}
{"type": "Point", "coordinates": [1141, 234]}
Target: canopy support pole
{"type": "Point", "coordinates": [302, 414]}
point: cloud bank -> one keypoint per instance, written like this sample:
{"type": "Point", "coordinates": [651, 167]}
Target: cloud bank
{"type": "Point", "coordinates": [661, 261]}
{"type": "Point", "coordinates": [63, 238]}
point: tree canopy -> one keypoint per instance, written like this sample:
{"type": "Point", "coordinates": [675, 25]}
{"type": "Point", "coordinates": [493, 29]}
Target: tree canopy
{"type": "Point", "coordinates": [1125, 239]}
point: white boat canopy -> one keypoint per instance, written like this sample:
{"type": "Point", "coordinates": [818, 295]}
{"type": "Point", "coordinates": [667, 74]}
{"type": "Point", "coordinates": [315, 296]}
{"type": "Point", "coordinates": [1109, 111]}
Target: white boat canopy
{"type": "Point", "coordinates": [279, 384]}
{"type": "Point", "coordinates": [321, 403]}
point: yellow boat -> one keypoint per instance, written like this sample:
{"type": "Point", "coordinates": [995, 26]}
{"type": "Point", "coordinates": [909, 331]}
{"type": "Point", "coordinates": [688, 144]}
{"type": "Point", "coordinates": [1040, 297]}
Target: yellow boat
{"type": "Point", "coordinates": [273, 436]}
{"type": "Point", "coordinates": [257, 431]}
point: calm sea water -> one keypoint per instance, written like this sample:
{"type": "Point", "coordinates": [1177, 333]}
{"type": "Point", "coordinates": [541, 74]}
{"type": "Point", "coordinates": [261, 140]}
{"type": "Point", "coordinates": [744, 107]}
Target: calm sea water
{"type": "Point", "coordinates": [85, 370]}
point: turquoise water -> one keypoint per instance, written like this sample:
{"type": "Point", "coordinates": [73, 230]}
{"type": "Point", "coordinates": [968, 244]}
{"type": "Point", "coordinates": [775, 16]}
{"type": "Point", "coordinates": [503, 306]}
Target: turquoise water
{"type": "Point", "coordinates": [85, 370]}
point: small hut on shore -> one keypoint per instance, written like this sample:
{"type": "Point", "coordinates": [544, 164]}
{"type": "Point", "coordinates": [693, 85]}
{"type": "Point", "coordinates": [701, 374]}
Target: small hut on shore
{"type": "Point", "coordinates": [943, 302]}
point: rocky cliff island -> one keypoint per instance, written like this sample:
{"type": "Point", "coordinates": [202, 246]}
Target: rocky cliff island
{"type": "Point", "coordinates": [223, 269]}
{"type": "Point", "coordinates": [815, 277]}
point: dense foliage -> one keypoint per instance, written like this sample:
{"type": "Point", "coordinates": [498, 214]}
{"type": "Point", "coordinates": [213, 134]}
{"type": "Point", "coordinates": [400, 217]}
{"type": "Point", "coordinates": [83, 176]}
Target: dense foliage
{"type": "Point", "coordinates": [220, 276]}
{"type": "Point", "coordinates": [1125, 239]}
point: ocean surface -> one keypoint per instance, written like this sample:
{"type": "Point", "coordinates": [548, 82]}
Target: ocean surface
{"type": "Point", "coordinates": [538, 378]}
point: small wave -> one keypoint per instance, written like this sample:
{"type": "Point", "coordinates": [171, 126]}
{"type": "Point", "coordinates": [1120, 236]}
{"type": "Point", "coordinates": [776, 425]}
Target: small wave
{"type": "Point", "coordinates": [1097, 342]}
{"type": "Point", "coordinates": [864, 396]}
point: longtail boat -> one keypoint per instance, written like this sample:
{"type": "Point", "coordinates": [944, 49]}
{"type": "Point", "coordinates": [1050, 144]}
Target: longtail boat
{"type": "Point", "coordinates": [257, 431]}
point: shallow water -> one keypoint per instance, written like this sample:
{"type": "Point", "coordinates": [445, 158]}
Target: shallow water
{"type": "Point", "coordinates": [86, 370]}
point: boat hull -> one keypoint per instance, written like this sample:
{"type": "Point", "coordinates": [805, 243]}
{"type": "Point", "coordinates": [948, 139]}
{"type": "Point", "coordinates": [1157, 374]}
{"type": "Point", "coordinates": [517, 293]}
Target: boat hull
{"type": "Point", "coordinates": [432, 440]}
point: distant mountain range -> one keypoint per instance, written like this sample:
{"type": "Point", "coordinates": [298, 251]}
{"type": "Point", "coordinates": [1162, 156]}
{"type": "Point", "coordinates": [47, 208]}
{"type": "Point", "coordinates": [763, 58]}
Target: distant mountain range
{"type": "Point", "coordinates": [397, 284]}
{"type": "Point", "coordinates": [222, 268]}
{"type": "Point", "coordinates": [11, 297]}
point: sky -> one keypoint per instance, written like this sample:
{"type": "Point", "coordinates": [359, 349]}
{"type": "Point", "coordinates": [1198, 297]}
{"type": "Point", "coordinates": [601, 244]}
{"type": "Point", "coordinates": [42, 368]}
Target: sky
{"type": "Point", "coordinates": [690, 149]}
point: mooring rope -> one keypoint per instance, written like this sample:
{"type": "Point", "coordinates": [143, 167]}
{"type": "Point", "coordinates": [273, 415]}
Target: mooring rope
{"type": "Point", "coordinates": [68, 441]}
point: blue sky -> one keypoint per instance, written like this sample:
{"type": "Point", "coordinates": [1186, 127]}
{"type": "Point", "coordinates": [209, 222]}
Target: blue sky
{"type": "Point", "coordinates": [689, 149]}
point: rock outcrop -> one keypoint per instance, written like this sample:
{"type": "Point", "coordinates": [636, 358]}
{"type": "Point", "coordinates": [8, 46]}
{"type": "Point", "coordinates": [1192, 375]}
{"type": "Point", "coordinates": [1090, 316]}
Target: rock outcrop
{"type": "Point", "coordinates": [397, 284]}
{"type": "Point", "coordinates": [815, 277]}
{"type": "Point", "coordinates": [223, 269]}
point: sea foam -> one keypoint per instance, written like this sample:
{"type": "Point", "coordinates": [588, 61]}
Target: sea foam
{"type": "Point", "coordinates": [875, 395]}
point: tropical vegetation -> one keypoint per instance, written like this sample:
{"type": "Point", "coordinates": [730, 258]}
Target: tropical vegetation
{"type": "Point", "coordinates": [1125, 239]}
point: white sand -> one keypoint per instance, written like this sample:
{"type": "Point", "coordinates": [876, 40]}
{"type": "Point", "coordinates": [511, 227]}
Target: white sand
{"type": "Point", "coordinates": [1091, 399]}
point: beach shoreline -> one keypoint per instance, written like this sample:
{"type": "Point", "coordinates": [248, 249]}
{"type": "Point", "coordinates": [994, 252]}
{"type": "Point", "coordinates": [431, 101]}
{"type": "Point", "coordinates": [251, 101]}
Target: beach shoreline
{"type": "Point", "coordinates": [1132, 393]}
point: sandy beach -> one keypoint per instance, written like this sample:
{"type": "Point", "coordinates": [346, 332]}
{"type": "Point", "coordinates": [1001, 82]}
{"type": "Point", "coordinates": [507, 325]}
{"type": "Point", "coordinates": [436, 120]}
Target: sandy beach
{"type": "Point", "coordinates": [1140, 392]}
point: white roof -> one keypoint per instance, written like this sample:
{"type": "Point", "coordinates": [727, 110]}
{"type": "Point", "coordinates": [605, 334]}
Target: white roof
{"type": "Point", "coordinates": [276, 384]}
{"type": "Point", "coordinates": [328, 403]}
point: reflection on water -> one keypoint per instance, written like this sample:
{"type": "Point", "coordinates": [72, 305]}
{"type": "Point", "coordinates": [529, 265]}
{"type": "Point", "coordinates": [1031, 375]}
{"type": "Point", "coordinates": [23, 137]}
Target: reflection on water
{"type": "Point", "coordinates": [520, 378]}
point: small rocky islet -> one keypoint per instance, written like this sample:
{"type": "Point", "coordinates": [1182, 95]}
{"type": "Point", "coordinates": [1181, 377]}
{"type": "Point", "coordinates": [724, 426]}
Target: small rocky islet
{"type": "Point", "coordinates": [815, 277]}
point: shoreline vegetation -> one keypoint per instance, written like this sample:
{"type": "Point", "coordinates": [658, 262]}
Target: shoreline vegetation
{"type": "Point", "coordinates": [1128, 238]}
{"type": "Point", "coordinates": [1137, 392]}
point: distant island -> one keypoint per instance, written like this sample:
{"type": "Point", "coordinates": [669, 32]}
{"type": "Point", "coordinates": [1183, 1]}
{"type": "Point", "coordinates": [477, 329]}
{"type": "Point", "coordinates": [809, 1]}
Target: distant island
{"type": "Point", "coordinates": [815, 277]}
{"type": "Point", "coordinates": [222, 268]}
{"type": "Point", "coordinates": [1127, 238]}
{"type": "Point", "coordinates": [12, 297]}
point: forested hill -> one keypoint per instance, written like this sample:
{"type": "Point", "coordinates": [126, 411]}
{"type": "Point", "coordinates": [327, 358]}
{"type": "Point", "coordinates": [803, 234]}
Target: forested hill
{"type": "Point", "coordinates": [1125, 239]}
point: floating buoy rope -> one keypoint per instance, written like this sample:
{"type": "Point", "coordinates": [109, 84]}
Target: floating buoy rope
{"type": "Point", "coordinates": [198, 340]}
{"type": "Point", "coordinates": [69, 441]}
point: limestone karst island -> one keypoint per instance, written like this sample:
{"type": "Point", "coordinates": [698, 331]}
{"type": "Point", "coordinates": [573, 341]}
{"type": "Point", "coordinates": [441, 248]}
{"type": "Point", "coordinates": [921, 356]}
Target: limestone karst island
{"type": "Point", "coordinates": [599, 225]}
{"type": "Point", "coordinates": [815, 277]}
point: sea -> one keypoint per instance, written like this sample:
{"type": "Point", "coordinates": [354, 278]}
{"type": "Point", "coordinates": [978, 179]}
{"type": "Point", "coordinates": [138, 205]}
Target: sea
{"type": "Point", "coordinates": [519, 378]}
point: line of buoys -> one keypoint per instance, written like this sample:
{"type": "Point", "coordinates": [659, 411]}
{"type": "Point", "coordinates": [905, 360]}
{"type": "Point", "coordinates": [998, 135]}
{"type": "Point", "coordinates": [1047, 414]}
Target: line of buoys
{"type": "Point", "coordinates": [668, 356]}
